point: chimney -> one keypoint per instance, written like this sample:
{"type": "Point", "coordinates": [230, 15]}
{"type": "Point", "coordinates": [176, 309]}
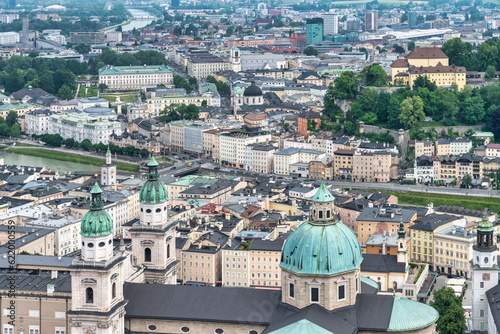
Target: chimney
{"type": "Point", "coordinates": [53, 274]}
{"type": "Point", "coordinates": [50, 289]}
{"type": "Point", "coordinates": [383, 246]}
{"type": "Point", "coordinates": [122, 244]}
{"type": "Point", "coordinates": [453, 231]}
{"type": "Point", "coordinates": [465, 231]}
{"type": "Point", "coordinates": [229, 243]}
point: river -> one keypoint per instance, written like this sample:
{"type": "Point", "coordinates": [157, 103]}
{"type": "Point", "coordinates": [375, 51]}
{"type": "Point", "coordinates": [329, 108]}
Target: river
{"type": "Point", "coordinates": [55, 165]}
{"type": "Point", "coordinates": [136, 23]}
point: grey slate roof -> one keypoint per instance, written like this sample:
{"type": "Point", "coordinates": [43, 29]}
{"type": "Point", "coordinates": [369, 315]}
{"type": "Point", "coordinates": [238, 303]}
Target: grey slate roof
{"type": "Point", "coordinates": [493, 298]}
{"type": "Point", "coordinates": [197, 303]}
{"type": "Point", "coordinates": [373, 214]}
{"type": "Point", "coordinates": [318, 316]}
{"type": "Point", "coordinates": [382, 264]}
{"type": "Point", "coordinates": [374, 312]}
{"type": "Point", "coordinates": [35, 283]}
{"type": "Point", "coordinates": [432, 221]}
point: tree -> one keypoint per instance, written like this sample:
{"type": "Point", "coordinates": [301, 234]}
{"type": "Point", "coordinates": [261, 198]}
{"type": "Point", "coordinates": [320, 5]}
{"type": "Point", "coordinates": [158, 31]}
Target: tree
{"type": "Point", "coordinates": [412, 112]}
{"type": "Point", "coordinates": [54, 140]}
{"type": "Point", "coordinates": [4, 130]}
{"type": "Point", "coordinates": [86, 145]}
{"type": "Point", "coordinates": [204, 103]}
{"type": "Point", "coordinates": [451, 314]}
{"type": "Point", "coordinates": [11, 118]}
{"type": "Point", "coordinates": [310, 51]}
{"type": "Point", "coordinates": [369, 118]}
{"type": "Point", "coordinates": [404, 18]}
{"type": "Point", "coordinates": [346, 86]}
{"type": "Point", "coordinates": [70, 143]}
{"type": "Point", "coordinates": [65, 93]}
{"type": "Point", "coordinates": [15, 131]}
{"type": "Point", "coordinates": [491, 71]}
{"type": "Point", "coordinates": [229, 31]}
{"type": "Point", "coordinates": [331, 110]}
{"type": "Point", "coordinates": [459, 53]}
{"type": "Point", "coordinates": [103, 87]}
{"type": "Point", "coordinates": [82, 48]}
{"type": "Point", "coordinates": [411, 45]}
{"type": "Point", "coordinates": [495, 124]}
{"type": "Point", "coordinates": [466, 181]}
{"type": "Point", "coordinates": [423, 81]}
{"type": "Point", "coordinates": [381, 106]}
{"type": "Point", "coordinates": [350, 128]}
{"type": "Point", "coordinates": [393, 111]}
{"type": "Point", "coordinates": [472, 110]}
{"type": "Point", "coordinates": [398, 48]}
{"type": "Point", "coordinates": [373, 75]}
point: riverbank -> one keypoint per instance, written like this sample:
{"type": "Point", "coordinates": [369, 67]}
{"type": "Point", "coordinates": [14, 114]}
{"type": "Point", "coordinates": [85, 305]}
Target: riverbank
{"type": "Point", "coordinates": [423, 199]}
{"type": "Point", "coordinates": [71, 157]}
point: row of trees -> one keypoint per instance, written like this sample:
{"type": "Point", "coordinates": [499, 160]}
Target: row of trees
{"type": "Point", "coordinates": [176, 112]}
{"type": "Point", "coordinates": [110, 57]}
{"type": "Point", "coordinates": [222, 87]}
{"type": "Point", "coordinates": [486, 56]}
{"type": "Point", "coordinates": [188, 85]}
{"type": "Point", "coordinates": [9, 127]}
{"type": "Point", "coordinates": [407, 107]}
{"type": "Point", "coordinates": [56, 140]}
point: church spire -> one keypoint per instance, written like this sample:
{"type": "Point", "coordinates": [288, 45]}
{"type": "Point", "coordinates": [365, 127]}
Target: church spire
{"type": "Point", "coordinates": [108, 157]}
{"type": "Point", "coordinates": [485, 241]}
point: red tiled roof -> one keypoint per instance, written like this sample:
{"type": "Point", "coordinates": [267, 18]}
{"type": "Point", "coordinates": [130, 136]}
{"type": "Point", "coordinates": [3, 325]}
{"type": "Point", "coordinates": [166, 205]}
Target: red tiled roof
{"type": "Point", "coordinates": [437, 69]}
{"type": "Point", "coordinates": [426, 53]}
{"type": "Point", "coordinates": [400, 63]}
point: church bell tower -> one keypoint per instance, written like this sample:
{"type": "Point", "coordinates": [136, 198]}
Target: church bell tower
{"type": "Point", "coordinates": [108, 171]}
{"type": "Point", "coordinates": [484, 272]}
{"type": "Point", "coordinates": [97, 302]}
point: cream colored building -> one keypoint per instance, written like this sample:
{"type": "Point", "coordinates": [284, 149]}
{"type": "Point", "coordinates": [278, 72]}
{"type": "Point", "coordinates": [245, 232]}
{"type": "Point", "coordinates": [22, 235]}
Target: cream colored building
{"type": "Point", "coordinates": [454, 246]}
{"type": "Point", "coordinates": [424, 147]}
{"type": "Point", "coordinates": [233, 144]}
{"type": "Point", "coordinates": [288, 156]}
{"type": "Point", "coordinates": [134, 77]}
{"type": "Point", "coordinates": [493, 150]}
{"type": "Point", "coordinates": [262, 158]}
{"type": "Point", "coordinates": [156, 104]}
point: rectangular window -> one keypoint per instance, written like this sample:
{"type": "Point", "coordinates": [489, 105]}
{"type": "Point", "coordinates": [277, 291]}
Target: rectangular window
{"type": "Point", "coordinates": [314, 295]}
{"type": "Point", "coordinates": [341, 292]}
{"type": "Point", "coordinates": [481, 285]}
{"type": "Point", "coordinates": [291, 290]}
{"type": "Point", "coordinates": [8, 329]}
{"type": "Point", "coordinates": [34, 313]}
{"type": "Point", "coordinates": [60, 330]}
{"type": "Point", "coordinates": [34, 330]}
{"type": "Point", "coordinates": [481, 313]}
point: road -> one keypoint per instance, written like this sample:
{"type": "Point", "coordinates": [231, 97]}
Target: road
{"type": "Point", "coordinates": [416, 188]}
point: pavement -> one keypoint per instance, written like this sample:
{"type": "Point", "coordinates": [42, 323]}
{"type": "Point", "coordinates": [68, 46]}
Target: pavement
{"type": "Point", "coordinates": [440, 282]}
{"type": "Point", "coordinates": [416, 188]}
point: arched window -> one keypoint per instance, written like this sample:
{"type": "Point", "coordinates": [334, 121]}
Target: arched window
{"type": "Point", "coordinates": [395, 285]}
{"type": "Point", "coordinates": [89, 296]}
{"type": "Point", "coordinates": [147, 255]}
{"type": "Point", "coordinates": [168, 251]}
{"type": "Point", "coordinates": [113, 291]}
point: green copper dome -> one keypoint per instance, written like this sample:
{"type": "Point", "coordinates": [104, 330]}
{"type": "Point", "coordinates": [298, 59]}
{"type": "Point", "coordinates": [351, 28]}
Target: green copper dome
{"type": "Point", "coordinates": [408, 315]}
{"type": "Point", "coordinates": [96, 222]}
{"type": "Point", "coordinates": [485, 225]}
{"type": "Point", "coordinates": [323, 194]}
{"type": "Point", "coordinates": [153, 191]}
{"type": "Point", "coordinates": [323, 249]}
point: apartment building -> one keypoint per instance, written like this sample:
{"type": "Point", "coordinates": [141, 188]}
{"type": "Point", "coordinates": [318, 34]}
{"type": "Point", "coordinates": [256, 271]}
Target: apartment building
{"type": "Point", "coordinates": [29, 239]}
{"type": "Point", "coordinates": [493, 150]}
{"type": "Point", "coordinates": [288, 156]}
{"type": "Point", "coordinates": [382, 220]}
{"type": "Point", "coordinates": [36, 122]}
{"type": "Point", "coordinates": [193, 138]}
{"type": "Point", "coordinates": [177, 133]}
{"type": "Point", "coordinates": [308, 118]}
{"type": "Point", "coordinates": [202, 259]}
{"type": "Point", "coordinates": [233, 145]}
{"type": "Point", "coordinates": [135, 77]}
{"type": "Point", "coordinates": [424, 147]}
{"type": "Point", "coordinates": [67, 237]}
{"type": "Point", "coordinates": [453, 248]}
{"type": "Point", "coordinates": [262, 158]}
{"type": "Point", "coordinates": [422, 234]}
{"type": "Point", "coordinates": [321, 169]}
{"type": "Point", "coordinates": [216, 193]}
{"type": "Point", "coordinates": [203, 66]}
{"type": "Point", "coordinates": [79, 126]}
{"type": "Point", "coordinates": [385, 244]}
{"type": "Point", "coordinates": [264, 259]}
{"type": "Point", "coordinates": [87, 37]}
{"type": "Point", "coordinates": [158, 100]}
{"type": "Point", "coordinates": [343, 164]}
{"type": "Point", "coordinates": [253, 264]}
{"type": "Point", "coordinates": [453, 146]}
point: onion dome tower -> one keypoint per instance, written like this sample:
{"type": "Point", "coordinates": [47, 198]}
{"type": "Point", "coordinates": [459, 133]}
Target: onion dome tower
{"type": "Point", "coordinates": [153, 238]}
{"type": "Point", "coordinates": [97, 303]}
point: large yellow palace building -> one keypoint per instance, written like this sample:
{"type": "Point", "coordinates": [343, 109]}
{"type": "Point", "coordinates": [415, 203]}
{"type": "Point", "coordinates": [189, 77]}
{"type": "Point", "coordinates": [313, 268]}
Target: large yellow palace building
{"type": "Point", "coordinates": [431, 62]}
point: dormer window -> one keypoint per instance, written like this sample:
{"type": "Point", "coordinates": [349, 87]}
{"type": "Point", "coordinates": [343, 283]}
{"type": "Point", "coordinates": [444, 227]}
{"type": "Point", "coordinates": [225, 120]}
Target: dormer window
{"type": "Point", "coordinates": [320, 215]}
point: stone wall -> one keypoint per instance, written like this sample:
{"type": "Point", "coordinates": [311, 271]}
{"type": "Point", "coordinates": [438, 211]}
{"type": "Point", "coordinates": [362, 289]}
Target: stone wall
{"type": "Point", "coordinates": [403, 142]}
{"type": "Point", "coordinates": [459, 129]}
